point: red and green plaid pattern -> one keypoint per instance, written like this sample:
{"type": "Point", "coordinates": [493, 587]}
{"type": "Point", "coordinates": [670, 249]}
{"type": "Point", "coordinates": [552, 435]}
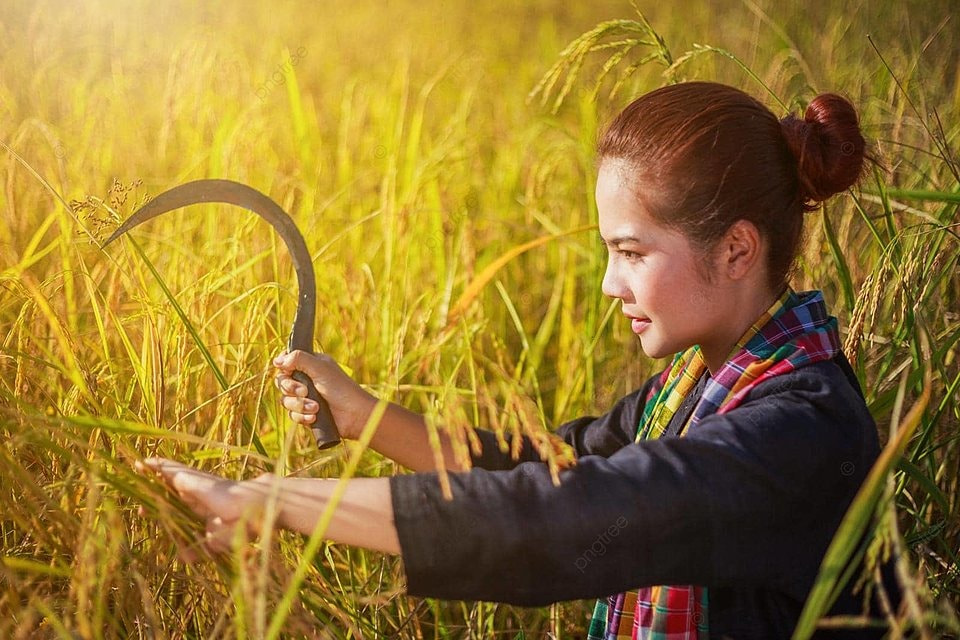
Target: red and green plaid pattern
{"type": "Point", "coordinates": [796, 330]}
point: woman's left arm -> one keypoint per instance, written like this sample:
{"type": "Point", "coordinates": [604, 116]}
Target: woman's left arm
{"type": "Point", "coordinates": [363, 516]}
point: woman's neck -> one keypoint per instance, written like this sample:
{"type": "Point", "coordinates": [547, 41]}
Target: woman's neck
{"type": "Point", "coordinates": [743, 312]}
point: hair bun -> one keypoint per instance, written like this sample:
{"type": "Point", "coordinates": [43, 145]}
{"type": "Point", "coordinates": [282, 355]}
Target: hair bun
{"type": "Point", "coordinates": [828, 147]}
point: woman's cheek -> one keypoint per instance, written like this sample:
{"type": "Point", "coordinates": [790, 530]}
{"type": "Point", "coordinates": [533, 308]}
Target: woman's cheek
{"type": "Point", "coordinates": [644, 277]}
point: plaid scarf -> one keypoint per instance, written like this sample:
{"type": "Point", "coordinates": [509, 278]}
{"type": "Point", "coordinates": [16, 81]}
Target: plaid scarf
{"type": "Point", "coordinates": [793, 332]}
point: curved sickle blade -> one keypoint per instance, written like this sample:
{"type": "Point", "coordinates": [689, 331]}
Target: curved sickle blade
{"type": "Point", "coordinates": [230, 192]}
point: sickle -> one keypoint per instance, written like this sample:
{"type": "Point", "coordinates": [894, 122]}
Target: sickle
{"type": "Point", "coordinates": [301, 336]}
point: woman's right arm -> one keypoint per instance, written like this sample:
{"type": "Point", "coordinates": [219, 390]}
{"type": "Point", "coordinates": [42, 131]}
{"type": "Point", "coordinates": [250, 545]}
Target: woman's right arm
{"type": "Point", "coordinates": [402, 434]}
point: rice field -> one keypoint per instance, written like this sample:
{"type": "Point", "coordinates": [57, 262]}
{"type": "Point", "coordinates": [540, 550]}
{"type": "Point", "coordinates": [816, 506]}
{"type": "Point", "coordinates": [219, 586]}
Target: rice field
{"type": "Point", "coordinates": [438, 157]}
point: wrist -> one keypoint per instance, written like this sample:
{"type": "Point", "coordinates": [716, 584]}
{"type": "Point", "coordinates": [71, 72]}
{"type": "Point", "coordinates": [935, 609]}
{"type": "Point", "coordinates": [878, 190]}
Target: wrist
{"type": "Point", "coordinates": [364, 406]}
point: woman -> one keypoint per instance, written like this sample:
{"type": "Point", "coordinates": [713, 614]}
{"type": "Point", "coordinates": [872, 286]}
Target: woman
{"type": "Point", "coordinates": [704, 500]}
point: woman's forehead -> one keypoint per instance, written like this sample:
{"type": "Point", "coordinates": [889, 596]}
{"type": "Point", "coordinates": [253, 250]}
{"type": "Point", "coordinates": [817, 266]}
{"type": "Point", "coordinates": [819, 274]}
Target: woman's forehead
{"type": "Point", "coordinates": [620, 208]}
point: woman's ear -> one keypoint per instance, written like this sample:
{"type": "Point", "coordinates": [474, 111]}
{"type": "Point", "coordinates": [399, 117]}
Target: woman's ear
{"type": "Point", "coordinates": [740, 251]}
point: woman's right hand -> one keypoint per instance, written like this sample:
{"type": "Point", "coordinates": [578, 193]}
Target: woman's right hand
{"type": "Point", "coordinates": [349, 403]}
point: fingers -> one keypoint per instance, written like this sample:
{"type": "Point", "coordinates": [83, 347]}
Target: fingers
{"type": "Point", "coordinates": [289, 386]}
{"type": "Point", "coordinates": [219, 535]}
{"type": "Point", "coordinates": [162, 466]}
{"type": "Point", "coordinates": [195, 488]}
{"type": "Point", "coordinates": [176, 474]}
{"type": "Point", "coordinates": [301, 409]}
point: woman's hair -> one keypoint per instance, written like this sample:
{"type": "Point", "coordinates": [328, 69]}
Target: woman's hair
{"type": "Point", "coordinates": [702, 155]}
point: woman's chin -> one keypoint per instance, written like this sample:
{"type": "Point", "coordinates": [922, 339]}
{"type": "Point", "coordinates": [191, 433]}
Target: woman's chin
{"type": "Point", "coordinates": [651, 347]}
{"type": "Point", "coordinates": [657, 349]}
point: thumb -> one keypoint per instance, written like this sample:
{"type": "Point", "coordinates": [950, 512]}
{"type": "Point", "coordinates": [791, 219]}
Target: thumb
{"type": "Point", "coordinates": [296, 360]}
{"type": "Point", "coordinates": [310, 363]}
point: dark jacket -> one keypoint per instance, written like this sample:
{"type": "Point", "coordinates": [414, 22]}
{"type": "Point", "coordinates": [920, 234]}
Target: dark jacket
{"type": "Point", "coordinates": [745, 504]}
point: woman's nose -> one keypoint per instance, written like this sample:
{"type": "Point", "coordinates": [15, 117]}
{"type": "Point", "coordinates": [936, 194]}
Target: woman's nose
{"type": "Point", "coordinates": [612, 284]}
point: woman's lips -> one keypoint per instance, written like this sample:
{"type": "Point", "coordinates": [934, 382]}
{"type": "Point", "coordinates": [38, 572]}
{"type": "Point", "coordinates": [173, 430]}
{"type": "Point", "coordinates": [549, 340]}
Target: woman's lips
{"type": "Point", "coordinates": [639, 324]}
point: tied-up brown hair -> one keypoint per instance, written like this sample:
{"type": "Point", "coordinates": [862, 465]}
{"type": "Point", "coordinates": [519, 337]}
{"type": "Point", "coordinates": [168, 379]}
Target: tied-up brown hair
{"type": "Point", "coordinates": [702, 155]}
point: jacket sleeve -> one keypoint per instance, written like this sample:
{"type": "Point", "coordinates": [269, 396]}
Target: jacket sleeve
{"type": "Point", "coordinates": [751, 497]}
{"type": "Point", "coordinates": [588, 435]}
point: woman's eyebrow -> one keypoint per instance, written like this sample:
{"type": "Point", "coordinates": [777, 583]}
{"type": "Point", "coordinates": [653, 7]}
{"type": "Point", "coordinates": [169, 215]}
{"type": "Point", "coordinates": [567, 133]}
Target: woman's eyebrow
{"type": "Point", "coordinates": [614, 242]}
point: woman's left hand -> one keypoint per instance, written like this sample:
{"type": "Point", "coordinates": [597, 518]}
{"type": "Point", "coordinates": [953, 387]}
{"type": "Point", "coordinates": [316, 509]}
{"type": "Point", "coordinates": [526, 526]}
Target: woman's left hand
{"type": "Point", "coordinates": [222, 504]}
{"type": "Point", "coordinates": [364, 517]}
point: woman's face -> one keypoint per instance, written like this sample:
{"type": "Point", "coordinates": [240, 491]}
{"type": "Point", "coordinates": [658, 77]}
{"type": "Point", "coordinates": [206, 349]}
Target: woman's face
{"type": "Point", "coordinates": [654, 270]}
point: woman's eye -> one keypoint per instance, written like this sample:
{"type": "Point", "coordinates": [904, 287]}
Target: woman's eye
{"type": "Point", "coordinates": [630, 255]}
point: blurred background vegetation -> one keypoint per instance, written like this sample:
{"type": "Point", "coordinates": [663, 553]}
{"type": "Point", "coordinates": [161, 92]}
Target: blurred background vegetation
{"type": "Point", "coordinates": [403, 139]}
